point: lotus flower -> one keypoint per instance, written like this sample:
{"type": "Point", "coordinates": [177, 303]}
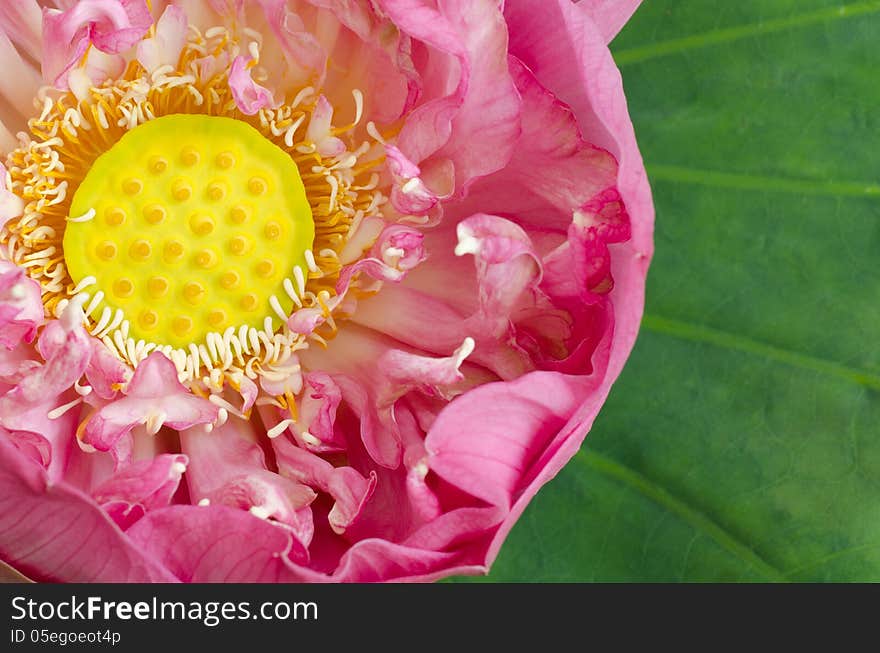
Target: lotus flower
{"type": "Point", "coordinates": [304, 290]}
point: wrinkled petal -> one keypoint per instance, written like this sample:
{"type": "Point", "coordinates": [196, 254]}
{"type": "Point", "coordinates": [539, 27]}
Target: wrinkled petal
{"type": "Point", "coordinates": [349, 489]}
{"type": "Point", "coordinates": [140, 487]}
{"type": "Point", "coordinates": [249, 96]}
{"type": "Point", "coordinates": [476, 126]}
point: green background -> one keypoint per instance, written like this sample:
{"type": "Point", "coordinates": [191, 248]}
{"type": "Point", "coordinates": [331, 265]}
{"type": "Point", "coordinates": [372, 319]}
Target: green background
{"type": "Point", "coordinates": [742, 441]}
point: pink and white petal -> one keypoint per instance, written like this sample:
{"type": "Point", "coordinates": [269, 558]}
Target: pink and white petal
{"type": "Point", "coordinates": [154, 397]}
{"type": "Point", "coordinates": [249, 96]}
{"type": "Point", "coordinates": [400, 247]}
{"type": "Point", "coordinates": [316, 413]}
{"type": "Point", "coordinates": [21, 308]}
{"type": "Point", "coordinates": [53, 532]}
{"type": "Point", "coordinates": [319, 131]}
{"type": "Point", "coordinates": [106, 374]}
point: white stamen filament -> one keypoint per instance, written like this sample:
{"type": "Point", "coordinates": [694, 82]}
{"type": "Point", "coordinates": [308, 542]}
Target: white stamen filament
{"type": "Point", "coordinates": [279, 428]}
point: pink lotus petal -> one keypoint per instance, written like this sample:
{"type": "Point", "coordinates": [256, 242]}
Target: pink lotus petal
{"type": "Point", "coordinates": [112, 26]}
{"type": "Point", "coordinates": [21, 309]}
{"type": "Point", "coordinates": [609, 15]}
{"type": "Point", "coordinates": [316, 414]}
{"type": "Point", "coordinates": [249, 96]}
{"type": "Point", "coordinates": [488, 441]}
{"type": "Point", "coordinates": [165, 47]}
{"type": "Point", "coordinates": [319, 130]}
{"type": "Point", "coordinates": [154, 397]}
{"type": "Point", "coordinates": [219, 544]}
{"type": "Point", "coordinates": [348, 488]}
{"type": "Point", "coordinates": [477, 125]}
{"type": "Point", "coordinates": [52, 532]}
{"type": "Point", "coordinates": [140, 487]}
{"type": "Point", "coordinates": [228, 468]}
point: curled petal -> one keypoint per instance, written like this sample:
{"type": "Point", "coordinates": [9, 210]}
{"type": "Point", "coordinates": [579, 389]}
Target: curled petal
{"type": "Point", "coordinates": [316, 413]}
{"type": "Point", "coordinates": [154, 397]}
{"type": "Point", "coordinates": [142, 486]}
{"type": "Point", "coordinates": [320, 131]}
{"type": "Point", "coordinates": [106, 374]}
{"type": "Point", "coordinates": [507, 269]}
{"type": "Point", "coordinates": [400, 247]}
{"type": "Point", "coordinates": [409, 194]}
{"type": "Point", "coordinates": [516, 422]}
{"type": "Point", "coordinates": [249, 96]}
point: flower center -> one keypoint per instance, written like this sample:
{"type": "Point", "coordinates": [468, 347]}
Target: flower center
{"type": "Point", "coordinates": [190, 224]}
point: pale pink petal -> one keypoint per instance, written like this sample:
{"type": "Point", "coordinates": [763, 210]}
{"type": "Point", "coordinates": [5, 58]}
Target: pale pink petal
{"type": "Point", "coordinates": [21, 21]}
{"type": "Point", "coordinates": [165, 47]}
{"type": "Point", "coordinates": [21, 307]}
{"type": "Point", "coordinates": [19, 86]}
{"type": "Point", "coordinates": [249, 96]}
{"type": "Point", "coordinates": [319, 131]}
{"type": "Point", "coordinates": [609, 15]}
{"type": "Point", "coordinates": [304, 56]}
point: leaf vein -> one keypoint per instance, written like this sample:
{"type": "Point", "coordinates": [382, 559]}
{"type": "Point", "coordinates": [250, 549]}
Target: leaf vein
{"type": "Point", "coordinates": [699, 521]}
{"type": "Point", "coordinates": [663, 48]}
{"type": "Point", "coordinates": [725, 340]}
{"type": "Point", "coordinates": [717, 179]}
